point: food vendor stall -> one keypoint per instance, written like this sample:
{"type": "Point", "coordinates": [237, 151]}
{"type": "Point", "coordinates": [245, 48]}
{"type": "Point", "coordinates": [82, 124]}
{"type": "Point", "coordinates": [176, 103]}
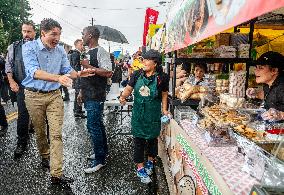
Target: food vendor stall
{"type": "Point", "coordinates": [223, 147]}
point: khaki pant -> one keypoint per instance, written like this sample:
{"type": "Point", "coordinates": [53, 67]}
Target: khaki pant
{"type": "Point", "coordinates": [50, 105]}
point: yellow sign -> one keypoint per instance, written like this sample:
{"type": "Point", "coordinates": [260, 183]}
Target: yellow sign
{"type": "Point", "coordinates": [153, 28]}
{"type": "Point", "coordinates": [137, 64]}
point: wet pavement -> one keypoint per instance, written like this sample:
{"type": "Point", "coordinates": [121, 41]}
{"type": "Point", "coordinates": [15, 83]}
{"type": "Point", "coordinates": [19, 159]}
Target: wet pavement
{"type": "Point", "coordinates": [26, 176]}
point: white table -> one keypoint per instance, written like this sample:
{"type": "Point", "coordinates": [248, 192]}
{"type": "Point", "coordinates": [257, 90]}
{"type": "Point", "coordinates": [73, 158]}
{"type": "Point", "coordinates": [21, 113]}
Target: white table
{"type": "Point", "coordinates": [113, 101]}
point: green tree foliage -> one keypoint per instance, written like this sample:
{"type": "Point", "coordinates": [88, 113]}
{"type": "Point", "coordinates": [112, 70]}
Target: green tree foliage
{"type": "Point", "coordinates": [3, 38]}
{"type": "Point", "coordinates": [12, 14]}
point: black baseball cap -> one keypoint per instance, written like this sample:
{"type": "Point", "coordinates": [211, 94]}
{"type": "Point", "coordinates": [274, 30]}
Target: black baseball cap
{"type": "Point", "coordinates": [271, 58]}
{"type": "Point", "coordinates": [153, 55]}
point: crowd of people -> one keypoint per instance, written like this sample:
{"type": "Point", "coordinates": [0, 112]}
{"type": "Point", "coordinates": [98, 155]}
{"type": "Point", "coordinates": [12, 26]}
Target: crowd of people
{"type": "Point", "coordinates": [36, 70]}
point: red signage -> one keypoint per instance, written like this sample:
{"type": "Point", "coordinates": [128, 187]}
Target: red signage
{"type": "Point", "coordinates": [190, 21]}
{"type": "Point", "coordinates": [150, 18]}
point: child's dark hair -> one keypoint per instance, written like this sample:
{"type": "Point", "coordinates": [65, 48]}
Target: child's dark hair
{"type": "Point", "coordinates": [203, 66]}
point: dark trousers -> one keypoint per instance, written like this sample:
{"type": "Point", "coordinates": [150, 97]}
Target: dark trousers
{"type": "Point", "coordinates": [77, 107]}
{"type": "Point", "coordinates": [140, 144]}
{"type": "Point", "coordinates": [23, 118]}
{"type": "Point", "coordinates": [3, 119]}
{"type": "Point", "coordinates": [96, 129]}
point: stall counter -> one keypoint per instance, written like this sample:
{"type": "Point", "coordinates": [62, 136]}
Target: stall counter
{"type": "Point", "coordinates": [192, 167]}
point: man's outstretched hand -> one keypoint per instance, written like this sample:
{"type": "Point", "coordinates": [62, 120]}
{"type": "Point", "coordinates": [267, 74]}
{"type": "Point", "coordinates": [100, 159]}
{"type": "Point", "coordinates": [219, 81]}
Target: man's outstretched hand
{"type": "Point", "coordinates": [87, 72]}
{"type": "Point", "coordinates": [65, 80]}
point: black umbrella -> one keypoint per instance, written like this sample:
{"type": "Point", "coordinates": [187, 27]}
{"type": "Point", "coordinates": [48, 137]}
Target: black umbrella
{"type": "Point", "coordinates": [111, 34]}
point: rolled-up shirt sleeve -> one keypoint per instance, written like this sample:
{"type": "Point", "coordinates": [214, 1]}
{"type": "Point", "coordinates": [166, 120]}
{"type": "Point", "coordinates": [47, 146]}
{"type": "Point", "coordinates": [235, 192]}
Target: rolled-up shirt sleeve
{"type": "Point", "coordinates": [30, 60]}
{"type": "Point", "coordinates": [65, 64]}
{"type": "Point", "coordinates": [9, 59]}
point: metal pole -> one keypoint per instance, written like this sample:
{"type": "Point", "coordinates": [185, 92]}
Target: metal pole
{"type": "Point", "coordinates": [92, 21]}
{"type": "Point", "coordinates": [251, 35]}
{"type": "Point", "coordinates": [249, 63]}
{"type": "Point", "coordinates": [168, 64]}
{"type": "Point", "coordinates": [174, 76]}
{"type": "Point", "coordinates": [172, 110]}
{"type": "Point", "coordinates": [236, 30]}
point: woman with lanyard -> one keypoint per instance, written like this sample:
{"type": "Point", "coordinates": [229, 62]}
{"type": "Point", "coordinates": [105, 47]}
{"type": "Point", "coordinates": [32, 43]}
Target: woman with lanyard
{"type": "Point", "coordinates": [269, 71]}
{"type": "Point", "coordinates": [150, 87]}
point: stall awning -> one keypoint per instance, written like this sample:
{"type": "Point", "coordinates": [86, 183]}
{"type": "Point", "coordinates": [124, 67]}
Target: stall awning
{"type": "Point", "coordinates": [190, 21]}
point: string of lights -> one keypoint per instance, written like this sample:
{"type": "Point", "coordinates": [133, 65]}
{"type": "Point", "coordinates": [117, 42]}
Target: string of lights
{"type": "Point", "coordinates": [82, 13]}
{"type": "Point", "coordinates": [97, 8]}
{"type": "Point", "coordinates": [65, 21]}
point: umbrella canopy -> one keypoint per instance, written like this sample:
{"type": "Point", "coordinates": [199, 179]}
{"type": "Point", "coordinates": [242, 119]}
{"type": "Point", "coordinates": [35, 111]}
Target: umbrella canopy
{"type": "Point", "coordinates": [111, 34]}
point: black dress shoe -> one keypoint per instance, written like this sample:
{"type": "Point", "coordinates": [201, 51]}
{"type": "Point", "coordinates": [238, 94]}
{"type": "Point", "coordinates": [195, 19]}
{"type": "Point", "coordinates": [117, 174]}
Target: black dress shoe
{"type": "Point", "coordinates": [19, 151]}
{"type": "Point", "coordinates": [80, 115]}
{"type": "Point", "coordinates": [45, 163]}
{"type": "Point", "coordinates": [61, 180]}
{"type": "Point", "coordinates": [3, 131]}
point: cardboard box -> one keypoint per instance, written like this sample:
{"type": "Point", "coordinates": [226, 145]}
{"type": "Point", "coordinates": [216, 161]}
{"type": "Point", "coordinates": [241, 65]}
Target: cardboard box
{"type": "Point", "coordinates": [222, 39]}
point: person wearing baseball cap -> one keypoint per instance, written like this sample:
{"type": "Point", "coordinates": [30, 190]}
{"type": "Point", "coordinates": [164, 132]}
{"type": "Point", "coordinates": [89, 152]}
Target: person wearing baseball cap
{"type": "Point", "coordinates": [150, 86]}
{"type": "Point", "coordinates": [269, 71]}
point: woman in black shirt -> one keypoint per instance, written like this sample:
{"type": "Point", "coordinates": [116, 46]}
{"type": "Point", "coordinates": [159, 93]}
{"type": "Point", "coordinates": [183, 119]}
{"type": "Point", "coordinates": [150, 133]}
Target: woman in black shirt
{"type": "Point", "coordinates": [269, 71]}
{"type": "Point", "coordinates": [150, 88]}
